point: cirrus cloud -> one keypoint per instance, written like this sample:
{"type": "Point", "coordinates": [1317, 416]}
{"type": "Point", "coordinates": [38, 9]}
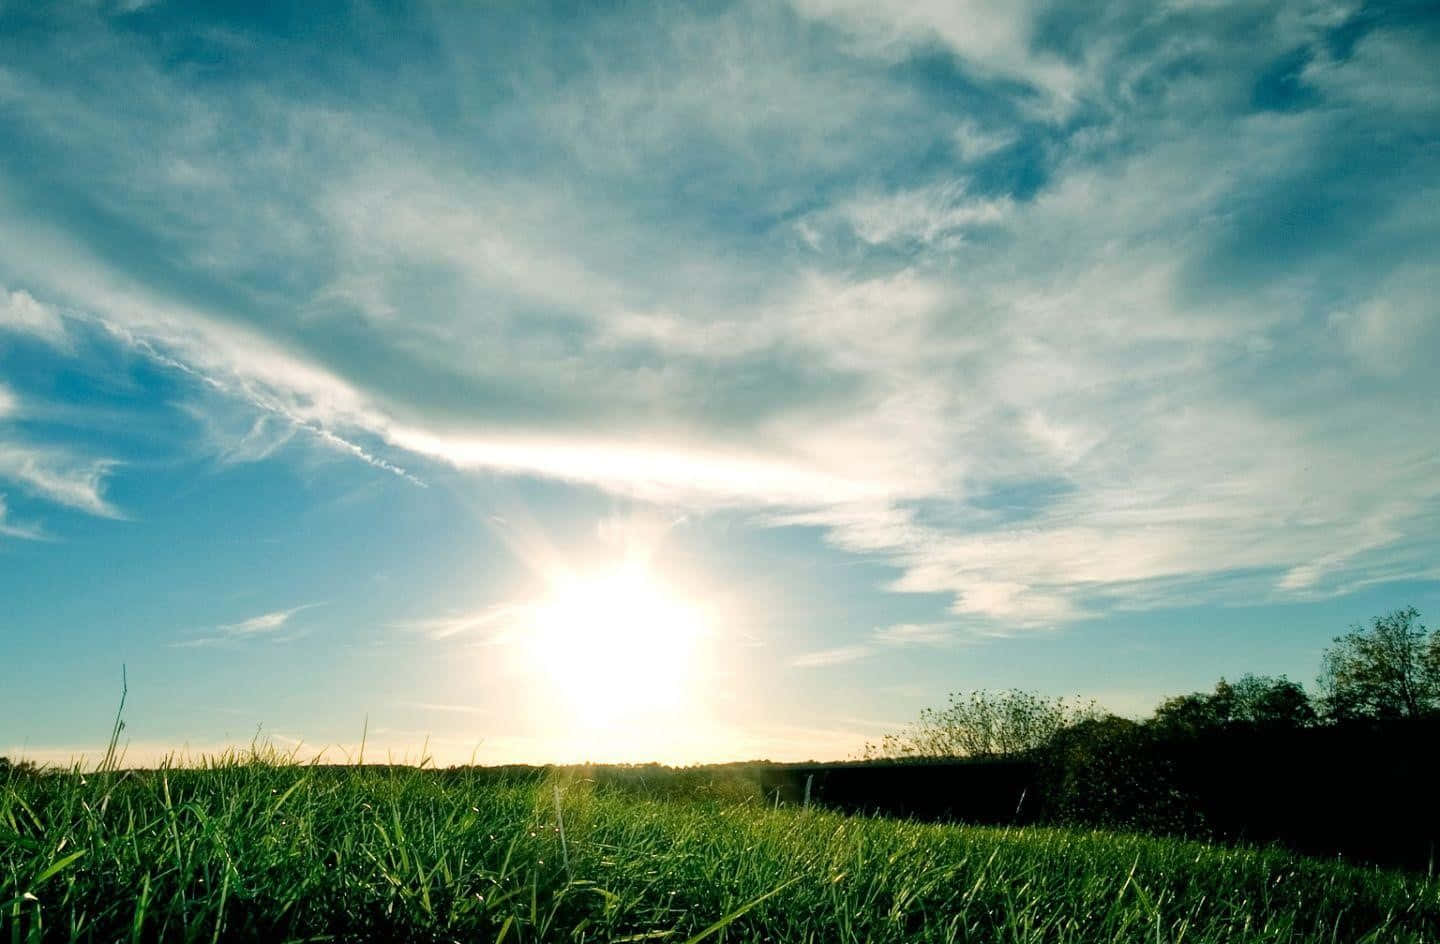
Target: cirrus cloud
{"type": "Point", "coordinates": [1055, 317]}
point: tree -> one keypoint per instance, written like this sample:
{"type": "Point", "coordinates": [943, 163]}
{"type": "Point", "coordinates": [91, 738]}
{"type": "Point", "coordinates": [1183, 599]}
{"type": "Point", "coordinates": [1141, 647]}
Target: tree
{"type": "Point", "coordinates": [1271, 702]}
{"type": "Point", "coordinates": [1391, 670]}
{"type": "Point", "coordinates": [1196, 713]}
{"type": "Point", "coordinates": [1261, 701]}
{"type": "Point", "coordinates": [984, 724]}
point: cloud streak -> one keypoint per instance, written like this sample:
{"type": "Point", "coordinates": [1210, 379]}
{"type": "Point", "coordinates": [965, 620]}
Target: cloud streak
{"type": "Point", "coordinates": [265, 625]}
{"type": "Point", "coordinates": [59, 477]}
{"type": "Point", "coordinates": [13, 529]}
{"type": "Point", "coordinates": [22, 314]}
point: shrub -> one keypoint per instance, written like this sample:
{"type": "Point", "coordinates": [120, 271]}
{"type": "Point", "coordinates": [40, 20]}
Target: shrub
{"type": "Point", "coordinates": [984, 725]}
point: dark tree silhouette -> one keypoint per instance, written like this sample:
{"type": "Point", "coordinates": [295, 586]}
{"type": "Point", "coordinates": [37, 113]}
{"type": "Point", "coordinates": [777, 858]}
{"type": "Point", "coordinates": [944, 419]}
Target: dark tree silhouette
{"type": "Point", "coordinates": [1391, 670]}
{"type": "Point", "coordinates": [1271, 702]}
{"type": "Point", "coordinates": [8, 767]}
{"type": "Point", "coordinates": [1257, 700]}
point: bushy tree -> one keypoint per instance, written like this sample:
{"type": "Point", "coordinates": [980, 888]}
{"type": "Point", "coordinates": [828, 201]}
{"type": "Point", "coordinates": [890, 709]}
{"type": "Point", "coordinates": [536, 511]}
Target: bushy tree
{"type": "Point", "coordinates": [1260, 701]}
{"type": "Point", "coordinates": [1390, 670]}
{"type": "Point", "coordinates": [1270, 702]}
{"type": "Point", "coordinates": [1195, 713]}
{"type": "Point", "coordinates": [984, 724]}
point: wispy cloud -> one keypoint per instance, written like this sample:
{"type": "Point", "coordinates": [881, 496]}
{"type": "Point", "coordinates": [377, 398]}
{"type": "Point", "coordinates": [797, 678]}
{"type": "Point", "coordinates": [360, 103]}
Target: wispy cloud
{"type": "Point", "coordinates": [21, 313]}
{"type": "Point", "coordinates": [915, 634]}
{"type": "Point", "coordinates": [240, 436]}
{"type": "Point", "coordinates": [825, 657]}
{"type": "Point", "coordinates": [1033, 320]}
{"type": "Point", "coordinates": [448, 708]}
{"type": "Point", "coordinates": [935, 217]}
{"type": "Point", "coordinates": [57, 476]}
{"type": "Point", "coordinates": [13, 529]}
{"type": "Point", "coordinates": [495, 623]}
{"type": "Point", "coordinates": [264, 625]}
{"type": "Point", "coordinates": [884, 638]}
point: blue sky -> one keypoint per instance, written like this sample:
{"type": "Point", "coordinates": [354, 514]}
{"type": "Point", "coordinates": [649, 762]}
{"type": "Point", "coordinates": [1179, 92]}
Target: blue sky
{"type": "Point", "coordinates": [917, 346]}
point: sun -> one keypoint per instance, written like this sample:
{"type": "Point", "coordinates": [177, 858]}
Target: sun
{"type": "Point", "coordinates": [616, 644]}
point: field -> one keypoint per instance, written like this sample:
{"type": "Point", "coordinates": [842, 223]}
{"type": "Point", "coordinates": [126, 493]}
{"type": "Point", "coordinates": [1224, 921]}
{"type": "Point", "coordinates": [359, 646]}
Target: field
{"type": "Point", "coordinates": [272, 852]}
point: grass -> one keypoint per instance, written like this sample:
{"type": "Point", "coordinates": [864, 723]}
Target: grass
{"type": "Point", "coordinates": [254, 849]}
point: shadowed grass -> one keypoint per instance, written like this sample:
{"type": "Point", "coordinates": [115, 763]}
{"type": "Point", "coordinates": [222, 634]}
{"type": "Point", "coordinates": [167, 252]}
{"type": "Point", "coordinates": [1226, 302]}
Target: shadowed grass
{"type": "Point", "coordinates": [254, 848]}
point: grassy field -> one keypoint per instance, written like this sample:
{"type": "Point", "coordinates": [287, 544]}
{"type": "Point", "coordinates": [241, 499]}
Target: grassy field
{"type": "Point", "coordinates": [267, 852]}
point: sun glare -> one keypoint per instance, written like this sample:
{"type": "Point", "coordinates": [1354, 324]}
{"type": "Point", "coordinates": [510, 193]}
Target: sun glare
{"type": "Point", "coordinates": [615, 645]}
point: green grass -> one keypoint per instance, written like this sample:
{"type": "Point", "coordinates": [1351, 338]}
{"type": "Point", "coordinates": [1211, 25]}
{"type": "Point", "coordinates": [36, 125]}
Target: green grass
{"type": "Point", "coordinates": [270, 852]}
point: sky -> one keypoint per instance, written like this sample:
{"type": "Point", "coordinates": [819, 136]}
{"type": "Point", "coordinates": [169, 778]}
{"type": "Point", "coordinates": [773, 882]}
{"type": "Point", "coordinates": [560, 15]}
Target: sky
{"type": "Point", "coordinates": [900, 348]}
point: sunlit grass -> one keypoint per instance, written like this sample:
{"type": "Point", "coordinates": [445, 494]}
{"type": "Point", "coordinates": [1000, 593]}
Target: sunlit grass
{"type": "Point", "coordinates": [255, 849]}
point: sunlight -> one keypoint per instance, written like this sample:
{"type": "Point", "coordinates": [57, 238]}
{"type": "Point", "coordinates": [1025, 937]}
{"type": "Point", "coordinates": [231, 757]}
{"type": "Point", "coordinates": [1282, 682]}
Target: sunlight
{"type": "Point", "coordinates": [616, 644]}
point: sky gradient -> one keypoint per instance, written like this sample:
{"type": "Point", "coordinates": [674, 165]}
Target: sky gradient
{"type": "Point", "coordinates": [923, 346]}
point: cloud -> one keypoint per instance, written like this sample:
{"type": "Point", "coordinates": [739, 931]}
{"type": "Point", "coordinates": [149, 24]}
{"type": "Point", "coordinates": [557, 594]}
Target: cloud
{"type": "Point", "coordinates": [449, 709]}
{"type": "Point", "coordinates": [1056, 314]}
{"type": "Point", "coordinates": [991, 38]}
{"type": "Point", "coordinates": [882, 638]}
{"type": "Point", "coordinates": [1392, 330]}
{"type": "Point", "coordinates": [59, 477]}
{"type": "Point", "coordinates": [915, 634]}
{"type": "Point", "coordinates": [1389, 69]}
{"type": "Point", "coordinates": [827, 657]}
{"type": "Point", "coordinates": [21, 313]}
{"type": "Point", "coordinates": [12, 529]}
{"type": "Point", "coordinates": [240, 436]}
{"type": "Point", "coordinates": [498, 621]}
{"type": "Point", "coordinates": [264, 625]}
{"type": "Point", "coordinates": [702, 475]}
{"type": "Point", "coordinates": [49, 473]}
{"type": "Point", "coordinates": [933, 215]}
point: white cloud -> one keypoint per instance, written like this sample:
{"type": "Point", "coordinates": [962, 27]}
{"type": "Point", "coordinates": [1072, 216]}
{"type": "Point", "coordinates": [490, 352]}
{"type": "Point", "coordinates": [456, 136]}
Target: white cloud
{"type": "Point", "coordinates": [20, 312]}
{"type": "Point", "coordinates": [915, 634]}
{"type": "Point", "coordinates": [1100, 356]}
{"type": "Point", "coordinates": [59, 477]}
{"type": "Point", "coordinates": [826, 657]}
{"type": "Point", "coordinates": [937, 215]}
{"type": "Point", "coordinates": [240, 436]}
{"type": "Point", "coordinates": [264, 623]}
{"type": "Point", "coordinates": [973, 142]}
{"type": "Point", "coordinates": [1394, 330]}
{"type": "Point", "coordinates": [704, 474]}
{"type": "Point", "coordinates": [992, 38]}
{"type": "Point", "coordinates": [1389, 69]}
{"type": "Point", "coordinates": [9, 404]}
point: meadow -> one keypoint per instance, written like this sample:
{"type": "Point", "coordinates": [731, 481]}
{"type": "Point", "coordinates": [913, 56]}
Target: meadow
{"type": "Point", "coordinates": [255, 849]}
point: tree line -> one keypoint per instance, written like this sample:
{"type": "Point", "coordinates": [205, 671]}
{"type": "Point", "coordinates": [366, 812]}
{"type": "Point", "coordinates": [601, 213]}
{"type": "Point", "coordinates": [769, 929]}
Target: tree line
{"type": "Point", "coordinates": [1388, 671]}
{"type": "Point", "coordinates": [1344, 769]}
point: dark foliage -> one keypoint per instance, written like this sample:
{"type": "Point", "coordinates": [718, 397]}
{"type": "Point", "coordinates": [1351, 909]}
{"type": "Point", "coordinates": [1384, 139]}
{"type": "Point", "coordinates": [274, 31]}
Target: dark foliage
{"type": "Point", "coordinates": [9, 768]}
{"type": "Point", "coordinates": [1255, 701]}
{"type": "Point", "coordinates": [1391, 670]}
{"type": "Point", "coordinates": [1113, 772]}
{"type": "Point", "coordinates": [1251, 760]}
